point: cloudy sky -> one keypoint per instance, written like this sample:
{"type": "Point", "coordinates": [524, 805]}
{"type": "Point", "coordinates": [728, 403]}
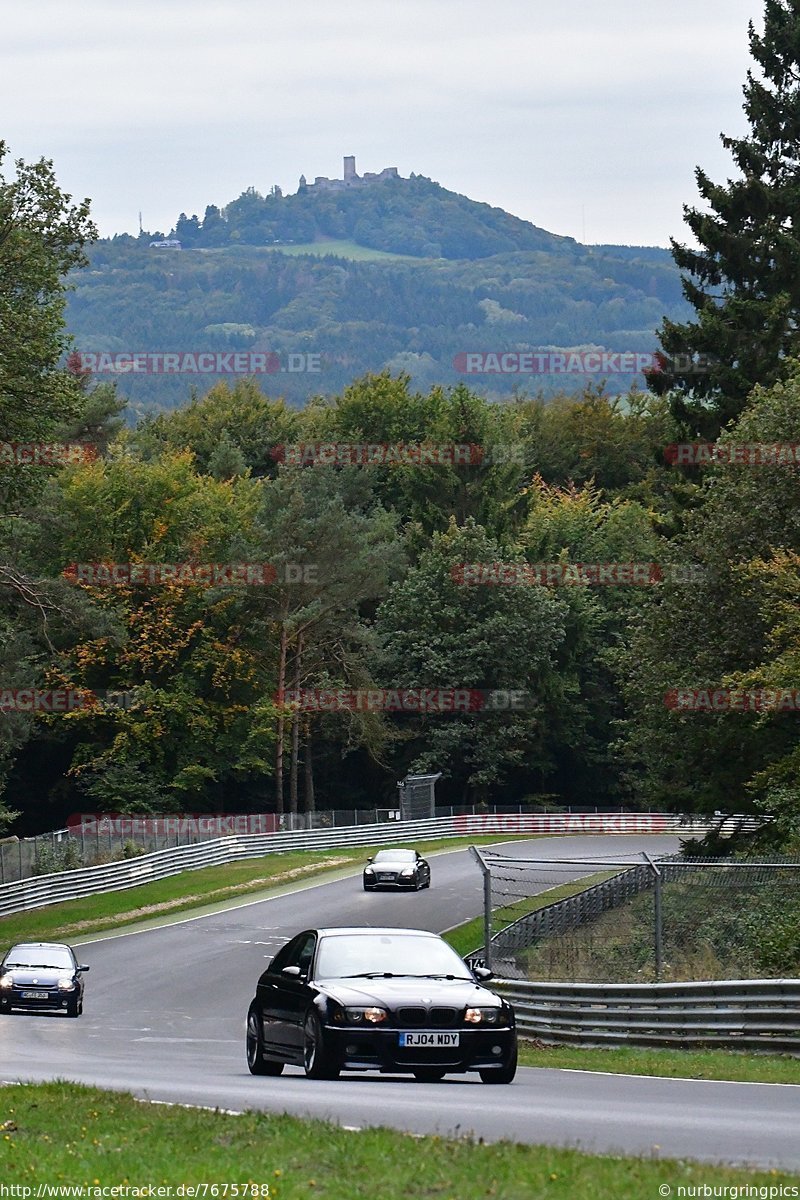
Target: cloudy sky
{"type": "Point", "coordinates": [586, 117]}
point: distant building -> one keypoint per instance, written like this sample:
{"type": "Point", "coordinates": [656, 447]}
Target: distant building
{"type": "Point", "coordinates": [166, 244]}
{"type": "Point", "coordinates": [349, 178]}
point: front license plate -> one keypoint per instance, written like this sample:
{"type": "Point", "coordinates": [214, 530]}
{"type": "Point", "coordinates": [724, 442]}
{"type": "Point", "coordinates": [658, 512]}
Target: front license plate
{"type": "Point", "coordinates": [428, 1039]}
{"type": "Point", "coordinates": [34, 995]}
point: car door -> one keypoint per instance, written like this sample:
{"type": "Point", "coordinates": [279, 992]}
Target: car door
{"type": "Point", "coordinates": [285, 997]}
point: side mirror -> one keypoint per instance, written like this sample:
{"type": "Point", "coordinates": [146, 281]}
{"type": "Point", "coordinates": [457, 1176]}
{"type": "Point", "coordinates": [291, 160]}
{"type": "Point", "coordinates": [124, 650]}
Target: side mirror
{"type": "Point", "coordinates": [482, 973]}
{"type": "Point", "coordinates": [291, 972]}
{"type": "Point", "coordinates": [371, 857]}
{"type": "Point", "coordinates": [83, 967]}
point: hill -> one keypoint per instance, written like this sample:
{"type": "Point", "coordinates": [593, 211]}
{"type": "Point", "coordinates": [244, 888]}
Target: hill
{"type": "Point", "coordinates": [413, 216]}
{"type": "Point", "coordinates": [400, 275]}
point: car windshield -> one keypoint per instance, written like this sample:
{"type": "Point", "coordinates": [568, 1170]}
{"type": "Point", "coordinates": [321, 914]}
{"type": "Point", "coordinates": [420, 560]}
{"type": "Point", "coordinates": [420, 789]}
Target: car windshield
{"type": "Point", "coordinates": [349, 955]}
{"type": "Point", "coordinates": [404, 856]}
{"type": "Point", "coordinates": [39, 956]}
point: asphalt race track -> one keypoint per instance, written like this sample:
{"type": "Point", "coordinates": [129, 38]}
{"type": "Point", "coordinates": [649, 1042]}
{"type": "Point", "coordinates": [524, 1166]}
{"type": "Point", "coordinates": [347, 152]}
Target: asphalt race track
{"type": "Point", "coordinates": [165, 1010]}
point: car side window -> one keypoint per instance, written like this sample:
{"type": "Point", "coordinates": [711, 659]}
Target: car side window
{"type": "Point", "coordinates": [284, 957]}
{"type": "Point", "coordinates": [305, 953]}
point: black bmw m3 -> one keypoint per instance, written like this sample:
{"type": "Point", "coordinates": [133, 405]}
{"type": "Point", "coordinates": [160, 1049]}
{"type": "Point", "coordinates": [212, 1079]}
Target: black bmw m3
{"type": "Point", "coordinates": [393, 1000]}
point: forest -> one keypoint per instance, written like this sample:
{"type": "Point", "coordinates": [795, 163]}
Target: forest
{"type": "Point", "coordinates": [242, 603]}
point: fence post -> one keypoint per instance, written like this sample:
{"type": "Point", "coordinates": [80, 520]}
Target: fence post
{"type": "Point", "coordinates": [657, 918]}
{"type": "Point", "coordinates": [487, 905]}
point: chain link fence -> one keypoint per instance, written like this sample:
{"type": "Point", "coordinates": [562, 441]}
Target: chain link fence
{"type": "Point", "coordinates": [659, 919]}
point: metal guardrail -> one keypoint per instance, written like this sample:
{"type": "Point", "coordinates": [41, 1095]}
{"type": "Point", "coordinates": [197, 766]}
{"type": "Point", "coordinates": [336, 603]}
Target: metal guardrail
{"type": "Point", "coordinates": [743, 1014]}
{"type": "Point", "coordinates": [110, 838]}
{"type": "Point", "coordinates": [38, 891]}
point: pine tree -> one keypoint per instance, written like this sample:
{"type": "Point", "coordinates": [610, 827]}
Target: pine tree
{"type": "Point", "coordinates": [744, 280]}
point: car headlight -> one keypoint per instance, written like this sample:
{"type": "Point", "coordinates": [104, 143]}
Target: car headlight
{"type": "Point", "coordinates": [407, 871]}
{"type": "Point", "coordinates": [6, 981]}
{"type": "Point", "coordinates": [484, 1016]}
{"type": "Point", "coordinates": [372, 1016]}
{"type": "Point", "coordinates": [66, 985]}
{"type": "Point", "coordinates": [369, 871]}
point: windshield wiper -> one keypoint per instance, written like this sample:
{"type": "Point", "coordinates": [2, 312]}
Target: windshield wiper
{"type": "Point", "coordinates": [33, 967]}
{"type": "Point", "coordinates": [401, 975]}
{"type": "Point", "coordinates": [433, 975]}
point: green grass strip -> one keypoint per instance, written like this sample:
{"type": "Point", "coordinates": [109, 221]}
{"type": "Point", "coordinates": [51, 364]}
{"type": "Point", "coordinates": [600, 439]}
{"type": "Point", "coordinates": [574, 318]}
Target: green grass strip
{"type": "Point", "coordinates": [67, 1134]}
{"type": "Point", "coordinates": [733, 1066]}
{"type": "Point", "coordinates": [469, 936]}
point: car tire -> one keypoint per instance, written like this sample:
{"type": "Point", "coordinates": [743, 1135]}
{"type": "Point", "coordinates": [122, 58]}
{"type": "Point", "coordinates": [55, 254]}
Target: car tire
{"type": "Point", "coordinates": [501, 1074]}
{"type": "Point", "coordinates": [367, 888]}
{"type": "Point", "coordinates": [429, 1074]}
{"type": "Point", "coordinates": [316, 1060]}
{"type": "Point", "coordinates": [74, 1008]}
{"type": "Point", "coordinates": [256, 1063]}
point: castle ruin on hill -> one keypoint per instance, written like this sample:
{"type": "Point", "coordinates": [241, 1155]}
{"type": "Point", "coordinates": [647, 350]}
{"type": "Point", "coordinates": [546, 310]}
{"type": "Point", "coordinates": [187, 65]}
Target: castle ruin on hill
{"type": "Point", "coordinates": [350, 178]}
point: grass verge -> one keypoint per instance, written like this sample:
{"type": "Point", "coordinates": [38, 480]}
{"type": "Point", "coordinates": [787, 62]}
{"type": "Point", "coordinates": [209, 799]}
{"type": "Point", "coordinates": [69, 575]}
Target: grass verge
{"type": "Point", "coordinates": [73, 919]}
{"type": "Point", "coordinates": [467, 937]}
{"type": "Point", "coordinates": [62, 1133]}
{"type": "Point", "coordinates": [732, 1066]}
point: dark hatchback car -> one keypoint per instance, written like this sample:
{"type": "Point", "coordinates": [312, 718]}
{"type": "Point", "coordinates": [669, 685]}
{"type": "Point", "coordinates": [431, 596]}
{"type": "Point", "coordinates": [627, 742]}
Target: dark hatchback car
{"type": "Point", "coordinates": [397, 869]}
{"type": "Point", "coordinates": [392, 1000]}
{"type": "Point", "coordinates": [41, 975]}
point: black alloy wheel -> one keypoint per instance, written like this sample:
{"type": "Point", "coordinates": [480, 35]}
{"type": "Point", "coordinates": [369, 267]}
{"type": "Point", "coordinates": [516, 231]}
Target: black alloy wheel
{"type": "Point", "coordinates": [256, 1063]}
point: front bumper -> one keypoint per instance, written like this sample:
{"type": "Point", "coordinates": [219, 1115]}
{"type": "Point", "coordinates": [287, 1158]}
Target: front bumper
{"type": "Point", "coordinates": [374, 884]}
{"type": "Point", "coordinates": [55, 1000]}
{"type": "Point", "coordinates": [354, 1049]}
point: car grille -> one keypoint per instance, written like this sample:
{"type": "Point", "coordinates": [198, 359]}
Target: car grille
{"type": "Point", "coordinates": [428, 1018]}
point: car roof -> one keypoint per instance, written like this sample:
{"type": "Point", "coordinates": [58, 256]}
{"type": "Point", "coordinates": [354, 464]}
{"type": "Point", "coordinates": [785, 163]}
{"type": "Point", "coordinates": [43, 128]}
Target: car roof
{"type": "Point", "coordinates": [40, 946]}
{"type": "Point", "coordinates": [374, 929]}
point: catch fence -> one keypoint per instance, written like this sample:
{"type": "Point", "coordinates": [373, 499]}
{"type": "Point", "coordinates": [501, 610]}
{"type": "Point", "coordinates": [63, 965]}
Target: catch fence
{"type": "Point", "coordinates": [614, 921]}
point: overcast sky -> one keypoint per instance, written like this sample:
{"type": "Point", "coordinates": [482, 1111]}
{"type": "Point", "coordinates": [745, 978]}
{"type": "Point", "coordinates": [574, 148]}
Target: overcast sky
{"type": "Point", "coordinates": [586, 117]}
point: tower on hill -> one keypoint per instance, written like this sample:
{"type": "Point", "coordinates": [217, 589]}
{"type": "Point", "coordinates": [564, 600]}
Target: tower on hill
{"type": "Point", "coordinates": [349, 178]}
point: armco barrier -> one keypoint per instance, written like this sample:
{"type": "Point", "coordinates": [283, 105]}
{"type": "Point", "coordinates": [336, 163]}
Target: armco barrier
{"type": "Point", "coordinates": [743, 1014]}
{"type": "Point", "coordinates": [38, 891]}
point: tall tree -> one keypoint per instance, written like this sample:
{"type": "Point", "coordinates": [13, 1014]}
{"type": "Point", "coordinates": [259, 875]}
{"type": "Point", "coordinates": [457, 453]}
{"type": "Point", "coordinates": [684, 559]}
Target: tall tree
{"type": "Point", "coordinates": [42, 235]}
{"type": "Point", "coordinates": [743, 280]}
{"type": "Point", "coordinates": [718, 627]}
